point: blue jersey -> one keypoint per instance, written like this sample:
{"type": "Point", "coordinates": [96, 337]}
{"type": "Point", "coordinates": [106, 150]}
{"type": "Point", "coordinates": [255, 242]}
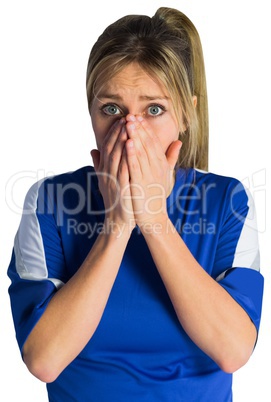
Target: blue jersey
{"type": "Point", "coordinates": [139, 351]}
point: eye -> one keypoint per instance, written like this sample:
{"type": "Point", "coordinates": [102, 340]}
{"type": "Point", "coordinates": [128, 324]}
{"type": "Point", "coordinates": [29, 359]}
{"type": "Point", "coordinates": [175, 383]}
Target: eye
{"type": "Point", "coordinates": [111, 110]}
{"type": "Point", "coordinates": [156, 110]}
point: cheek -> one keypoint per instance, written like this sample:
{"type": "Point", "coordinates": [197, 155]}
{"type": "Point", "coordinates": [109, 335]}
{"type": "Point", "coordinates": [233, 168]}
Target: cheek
{"type": "Point", "coordinates": [100, 129]}
{"type": "Point", "coordinates": [167, 132]}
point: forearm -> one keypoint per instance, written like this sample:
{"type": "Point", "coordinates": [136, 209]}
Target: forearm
{"type": "Point", "coordinates": [207, 312]}
{"type": "Point", "coordinates": [74, 313]}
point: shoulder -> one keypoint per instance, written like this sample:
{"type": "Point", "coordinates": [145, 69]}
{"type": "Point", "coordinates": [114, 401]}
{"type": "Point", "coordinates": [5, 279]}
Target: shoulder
{"type": "Point", "coordinates": [79, 176]}
{"type": "Point", "coordinates": [215, 193]}
{"type": "Point", "coordinates": [51, 187]}
{"type": "Point", "coordinates": [202, 177]}
{"type": "Point", "coordinates": [205, 181]}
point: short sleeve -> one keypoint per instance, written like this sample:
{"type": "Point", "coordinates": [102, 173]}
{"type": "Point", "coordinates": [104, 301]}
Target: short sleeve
{"type": "Point", "coordinates": [237, 257]}
{"type": "Point", "coordinates": [37, 267]}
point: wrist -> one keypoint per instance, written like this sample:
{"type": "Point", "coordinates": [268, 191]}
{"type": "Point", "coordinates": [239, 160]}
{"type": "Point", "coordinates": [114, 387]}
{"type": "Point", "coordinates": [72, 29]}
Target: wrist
{"type": "Point", "coordinates": [118, 227]}
{"type": "Point", "coordinates": [156, 226]}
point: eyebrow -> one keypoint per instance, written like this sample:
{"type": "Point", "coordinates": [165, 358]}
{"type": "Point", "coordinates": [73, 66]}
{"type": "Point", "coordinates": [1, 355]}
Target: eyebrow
{"type": "Point", "coordinates": [142, 97]}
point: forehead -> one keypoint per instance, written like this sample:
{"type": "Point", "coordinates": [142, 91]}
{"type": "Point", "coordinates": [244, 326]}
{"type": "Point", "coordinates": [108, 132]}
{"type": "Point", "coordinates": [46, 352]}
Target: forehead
{"type": "Point", "coordinates": [133, 78]}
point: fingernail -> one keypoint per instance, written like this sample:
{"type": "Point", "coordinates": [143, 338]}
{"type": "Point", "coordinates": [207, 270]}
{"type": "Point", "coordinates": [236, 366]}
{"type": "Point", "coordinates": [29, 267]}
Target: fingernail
{"type": "Point", "coordinates": [139, 118]}
{"type": "Point", "coordinates": [132, 117]}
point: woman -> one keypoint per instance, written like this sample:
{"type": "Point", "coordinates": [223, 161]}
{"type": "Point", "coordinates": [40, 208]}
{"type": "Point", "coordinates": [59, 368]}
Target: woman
{"type": "Point", "coordinates": [139, 278]}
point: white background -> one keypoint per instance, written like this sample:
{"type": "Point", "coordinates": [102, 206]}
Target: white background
{"type": "Point", "coordinates": [45, 128]}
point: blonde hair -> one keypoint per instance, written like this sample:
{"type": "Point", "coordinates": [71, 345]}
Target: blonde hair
{"type": "Point", "coordinates": [168, 47]}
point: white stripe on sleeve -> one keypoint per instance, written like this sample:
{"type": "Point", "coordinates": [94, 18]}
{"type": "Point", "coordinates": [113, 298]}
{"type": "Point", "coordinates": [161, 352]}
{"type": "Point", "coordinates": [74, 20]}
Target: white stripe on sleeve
{"type": "Point", "coordinates": [28, 244]}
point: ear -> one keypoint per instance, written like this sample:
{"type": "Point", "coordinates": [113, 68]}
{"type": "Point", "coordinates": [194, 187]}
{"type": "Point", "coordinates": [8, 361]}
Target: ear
{"type": "Point", "coordinates": [95, 154]}
{"type": "Point", "coordinates": [195, 100]}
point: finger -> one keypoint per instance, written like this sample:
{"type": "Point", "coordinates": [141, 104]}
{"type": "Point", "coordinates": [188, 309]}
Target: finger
{"type": "Point", "coordinates": [134, 165]}
{"type": "Point", "coordinates": [110, 140]}
{"type": "Point", "coordinates": [144, 139]}
{"type": "Point", "coordinates": [125, 186]}
{"type": "Point", "coordinates": [138, 145]}
{"type": "Point", "coordinates": [116, 153]}
{"type": "Point", "coordinates": [150, 135]}
{"type": "Point", "coordinates": [172, 153]}
{"type": "Point", "coordinates": [123, 170]}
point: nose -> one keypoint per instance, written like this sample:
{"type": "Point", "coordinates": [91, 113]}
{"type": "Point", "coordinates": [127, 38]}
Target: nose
{"type": "Point", "coordinates": [134, 117]}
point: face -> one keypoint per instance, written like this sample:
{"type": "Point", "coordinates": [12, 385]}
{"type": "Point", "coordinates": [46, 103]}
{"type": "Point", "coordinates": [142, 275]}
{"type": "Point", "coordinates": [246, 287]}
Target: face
{"type": "Point", "coordinates": [133, 91]}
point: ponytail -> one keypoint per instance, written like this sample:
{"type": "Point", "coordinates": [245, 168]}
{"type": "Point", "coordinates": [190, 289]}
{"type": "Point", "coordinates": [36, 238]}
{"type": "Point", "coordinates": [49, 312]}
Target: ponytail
{"type": "Point", "coordinates": [181, 26]}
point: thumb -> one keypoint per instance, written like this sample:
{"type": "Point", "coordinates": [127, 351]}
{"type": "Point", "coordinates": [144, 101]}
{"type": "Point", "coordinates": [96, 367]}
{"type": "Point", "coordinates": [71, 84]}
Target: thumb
{"type": "Point", "coordinates": [95, 154]}
{"type": "Point", "coordinates": [173, 153]}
